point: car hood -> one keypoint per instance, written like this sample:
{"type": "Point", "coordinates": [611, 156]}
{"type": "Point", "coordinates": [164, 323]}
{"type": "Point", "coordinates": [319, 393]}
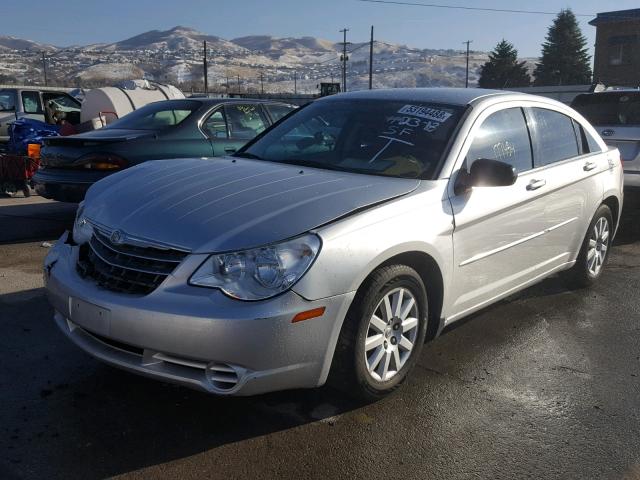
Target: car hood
{"type": "Point", "coordinates": [225, 204]}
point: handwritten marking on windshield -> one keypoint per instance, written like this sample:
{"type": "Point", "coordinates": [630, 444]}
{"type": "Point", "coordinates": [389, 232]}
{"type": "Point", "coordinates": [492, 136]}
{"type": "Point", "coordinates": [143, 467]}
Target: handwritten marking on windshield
{"type": "Point", "coordinates": [391, 140]}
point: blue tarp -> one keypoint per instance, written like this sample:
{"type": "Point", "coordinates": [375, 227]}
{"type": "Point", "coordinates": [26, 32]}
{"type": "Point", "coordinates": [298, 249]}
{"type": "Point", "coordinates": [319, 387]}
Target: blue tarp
{"type": "Point", "coordinates": [25, 131]}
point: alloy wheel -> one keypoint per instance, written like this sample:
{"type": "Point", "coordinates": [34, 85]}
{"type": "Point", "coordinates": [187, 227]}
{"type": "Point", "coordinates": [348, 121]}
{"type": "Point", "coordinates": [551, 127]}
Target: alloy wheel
{"type": "Point", "coordinates": [598, 246]}
{"type": "Point", "coordinates": [391, 334]}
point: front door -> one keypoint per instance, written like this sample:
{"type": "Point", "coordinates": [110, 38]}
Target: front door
{"type": "Point", "coordinates": [497, 234]}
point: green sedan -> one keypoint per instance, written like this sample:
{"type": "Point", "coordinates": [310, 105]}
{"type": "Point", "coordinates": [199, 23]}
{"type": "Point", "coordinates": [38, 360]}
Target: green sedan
{"type": "Point", "coordinates": [168, 129]}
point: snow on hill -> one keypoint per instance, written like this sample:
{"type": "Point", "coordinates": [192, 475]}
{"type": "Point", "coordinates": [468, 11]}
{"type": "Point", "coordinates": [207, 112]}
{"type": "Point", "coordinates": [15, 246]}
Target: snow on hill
{"type": "Point", "coordinates": [176, 56]}
{"type": "Point", "coordinates": [8, 42]}
{"type": "Point", "coordinates": [177, 38]}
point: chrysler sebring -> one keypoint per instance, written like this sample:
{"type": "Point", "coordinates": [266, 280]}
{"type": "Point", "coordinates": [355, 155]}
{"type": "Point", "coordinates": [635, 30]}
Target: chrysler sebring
{"type": "Point", "coordinates": [332, 246]}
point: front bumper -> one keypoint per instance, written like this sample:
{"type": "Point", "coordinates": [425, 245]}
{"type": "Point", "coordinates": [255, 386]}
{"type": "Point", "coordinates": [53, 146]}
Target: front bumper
{"type": "Point", "coordinates": [194, 336]}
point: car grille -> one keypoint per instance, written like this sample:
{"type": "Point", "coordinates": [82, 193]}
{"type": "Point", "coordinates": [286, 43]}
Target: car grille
{"type": "Point", "coordinates": [126, 268]}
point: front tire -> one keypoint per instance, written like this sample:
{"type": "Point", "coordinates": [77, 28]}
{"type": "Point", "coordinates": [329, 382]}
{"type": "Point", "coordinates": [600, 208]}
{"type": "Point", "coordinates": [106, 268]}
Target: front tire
{"type": "Point", "coordinates": [594, 251]}
{"type": "Point", "coordinates": [383, 333]}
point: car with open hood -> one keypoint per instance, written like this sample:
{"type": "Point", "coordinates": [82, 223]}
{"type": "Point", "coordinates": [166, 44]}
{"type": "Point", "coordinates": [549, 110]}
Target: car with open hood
{"type": "Point", "coordinates": [334, 245]}
{"type": "Point", "coordinates": [178, 128]}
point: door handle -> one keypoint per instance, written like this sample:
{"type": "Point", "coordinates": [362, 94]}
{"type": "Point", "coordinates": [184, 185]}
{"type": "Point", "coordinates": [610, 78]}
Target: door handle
{"type": "Point", "coordinates": [536, 184]}
{"type": "Point", "coordinates": [230, 150]}
{"type": "Point", "coordinates": [590, 166]}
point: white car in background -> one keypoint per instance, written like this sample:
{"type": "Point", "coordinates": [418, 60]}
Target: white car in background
{"type": "Point", "coordinates": [615, 114]}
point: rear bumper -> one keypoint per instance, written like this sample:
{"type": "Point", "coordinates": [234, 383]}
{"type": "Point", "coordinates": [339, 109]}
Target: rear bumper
{"type": "Point", "coordinates": [65, 185]}
{"type": "Point", "coordinates": [194, 336]}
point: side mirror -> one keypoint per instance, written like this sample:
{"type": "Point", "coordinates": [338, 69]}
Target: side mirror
{"type": "Point", "coordinates": [486, 173]}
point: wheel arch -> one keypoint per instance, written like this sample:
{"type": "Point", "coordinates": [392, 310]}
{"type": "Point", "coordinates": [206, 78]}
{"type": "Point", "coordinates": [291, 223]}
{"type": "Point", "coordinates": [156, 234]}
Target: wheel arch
{"type": "Point", "coordinates": [432, 277]}
{"type": "Point", "coordinates": [614, 205]}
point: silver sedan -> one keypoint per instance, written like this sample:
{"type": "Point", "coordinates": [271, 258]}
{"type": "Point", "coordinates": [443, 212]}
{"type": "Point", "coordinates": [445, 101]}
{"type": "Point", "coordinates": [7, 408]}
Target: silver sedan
{"type": "Point", "coordinates": [334, 245]}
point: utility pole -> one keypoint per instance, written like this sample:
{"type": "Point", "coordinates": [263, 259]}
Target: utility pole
{"type": "Point", "coordinates": [261, 83]}
{"type": "Point", "coordinates": [344, 59]}
{"type": "Point", "coordinates": [44, 68]}
{"type": "Point", "coordinates": [238, 76]}
{"type": "Point", "coordinates": [206, 73]}
{"type": "Point", "coordinates": [371, 61]}
{"type": "Point", "coordinates": [295, 83]}
{"type": "Point", "coordinates": [466, 83]}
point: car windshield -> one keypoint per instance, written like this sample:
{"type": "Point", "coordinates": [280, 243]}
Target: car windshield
{"type": "Point", "coordinates": [380, 137]}
{"type": "Point", "coordinates": [158, 115]}
{"type": "Point", "coordinates": [615, 108]}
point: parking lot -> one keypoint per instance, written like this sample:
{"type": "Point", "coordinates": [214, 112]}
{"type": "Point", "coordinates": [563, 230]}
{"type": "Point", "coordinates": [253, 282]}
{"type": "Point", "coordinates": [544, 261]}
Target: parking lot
{"type": "Point", "coordinates": [543, 385]}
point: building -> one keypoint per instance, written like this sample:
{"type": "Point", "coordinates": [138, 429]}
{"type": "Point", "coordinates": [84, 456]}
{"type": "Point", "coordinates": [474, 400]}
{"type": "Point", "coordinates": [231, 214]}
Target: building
{"type": "Point", "coordinates": [617, 58]}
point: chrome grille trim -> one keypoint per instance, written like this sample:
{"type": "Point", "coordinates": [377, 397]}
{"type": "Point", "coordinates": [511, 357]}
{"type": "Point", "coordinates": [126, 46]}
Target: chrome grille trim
{"type": "Point", "coordinates": [126, 268]}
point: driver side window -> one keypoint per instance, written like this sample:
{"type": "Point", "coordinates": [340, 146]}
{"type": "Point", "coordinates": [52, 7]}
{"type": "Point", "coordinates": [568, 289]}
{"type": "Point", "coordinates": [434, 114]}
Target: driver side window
{"type": "Point", "coordinates": [503, 136]}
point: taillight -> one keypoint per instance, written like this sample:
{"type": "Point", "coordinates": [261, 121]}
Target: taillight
{"type": "Point", "coordinates": [101, 162]}
{"type": "Point", "coordinates": [33, 151]}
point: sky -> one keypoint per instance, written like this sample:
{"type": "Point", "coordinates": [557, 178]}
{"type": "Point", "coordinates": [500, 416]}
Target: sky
{"type": "Point", "coordinates": [73, 22]}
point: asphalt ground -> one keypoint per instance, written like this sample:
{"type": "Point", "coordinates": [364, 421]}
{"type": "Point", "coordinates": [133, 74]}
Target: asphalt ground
{"type": "Point", "coordinates": [543, 385]}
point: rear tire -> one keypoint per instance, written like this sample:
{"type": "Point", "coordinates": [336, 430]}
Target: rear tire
{"type": "Point", "coordinates": [382, 335]}
{"type": "Point", "coordinates": [594, 251]}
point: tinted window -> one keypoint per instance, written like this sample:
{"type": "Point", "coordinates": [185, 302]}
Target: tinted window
{"type": "Point", "coordinates": [244, 120]}
{"type": "Point", "coordinates": [555, 139]}
{"type": "Point", "coordinates": [278, 111]}
{"type": "Point", "coordinates": [158, 115]}
{"type": "Point", "coordinates": [381, 137]}
{"type": "Point", "coordinates": [611, 108]}
{"type": "Point", "coordinates": [503, 136]}
{"type": "Point", "coordinates": [31, 102]}
{"type": "Point", "coordinates": [215, 126]}
{"type": "Point", "coordinates": [7, 101]}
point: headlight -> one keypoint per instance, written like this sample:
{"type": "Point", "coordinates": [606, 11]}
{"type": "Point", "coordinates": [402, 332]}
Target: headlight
{"type": "Point", "coordinates": [259, 273]}
{"type": "Point", "coordinates": [82, 229]}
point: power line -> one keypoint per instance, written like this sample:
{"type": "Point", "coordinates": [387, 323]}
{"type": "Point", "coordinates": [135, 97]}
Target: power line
{"type": "Point", "coordinates": [480, 9]}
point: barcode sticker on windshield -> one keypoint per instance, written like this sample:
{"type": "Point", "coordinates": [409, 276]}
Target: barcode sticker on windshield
{"type": "Point", "coordinates": [426, 112]}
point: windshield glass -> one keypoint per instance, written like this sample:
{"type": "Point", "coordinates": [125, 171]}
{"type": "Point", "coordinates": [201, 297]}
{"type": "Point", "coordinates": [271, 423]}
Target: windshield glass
{"type": "Point", "coordinates": [158, 115]}
{"type": "Point", "coordinates": [380, 137]}
{"type": "Point", "coordinates": [615, 108]}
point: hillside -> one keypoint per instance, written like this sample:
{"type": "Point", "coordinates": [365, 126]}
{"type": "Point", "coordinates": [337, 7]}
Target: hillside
{"type": "Point", "coordinates": [175, 56]}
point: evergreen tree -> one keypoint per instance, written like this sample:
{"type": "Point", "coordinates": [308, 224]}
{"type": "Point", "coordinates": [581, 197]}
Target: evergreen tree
{"type": "Point", "coordinates": [565, 59]}
{"type": "Point", "coordinates": [503, 70]}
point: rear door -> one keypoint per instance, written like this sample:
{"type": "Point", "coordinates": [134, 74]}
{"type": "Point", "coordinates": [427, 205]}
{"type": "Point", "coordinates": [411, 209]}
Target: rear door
{"type": "Point", "coordinates": [568, 177]}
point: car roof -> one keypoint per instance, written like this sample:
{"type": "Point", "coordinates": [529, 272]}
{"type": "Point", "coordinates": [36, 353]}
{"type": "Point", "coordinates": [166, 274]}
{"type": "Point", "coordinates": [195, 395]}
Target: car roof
{"type": "Point", "coordinates": [451, 96]}
{"type": "Point", "coordinates": [216, 101]}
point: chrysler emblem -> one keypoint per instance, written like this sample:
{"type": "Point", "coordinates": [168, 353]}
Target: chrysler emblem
{"type": "Point", "coordinates": [608, 132]}
{"type": "Point", "coordinates": [117, 237]}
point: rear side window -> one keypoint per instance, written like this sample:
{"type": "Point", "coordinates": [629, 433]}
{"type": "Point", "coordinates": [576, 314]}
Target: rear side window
{"type": "Point", "coordinates": [31, 102]}
{"type": "Point", "coordinates": [554, 137]}
{"type": "Point", "coordinates": [7, 101]}
{"type": "Point", "coordinates": [586, 142]}
{"type": "Point", "coordinates": [245, 120]}
{"type": "Point", "coordinates": [278, 111]}
{"type": "Point", "coordinates": [216, 125]}
{"type": "Point", "coordinates": [503, 136]}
